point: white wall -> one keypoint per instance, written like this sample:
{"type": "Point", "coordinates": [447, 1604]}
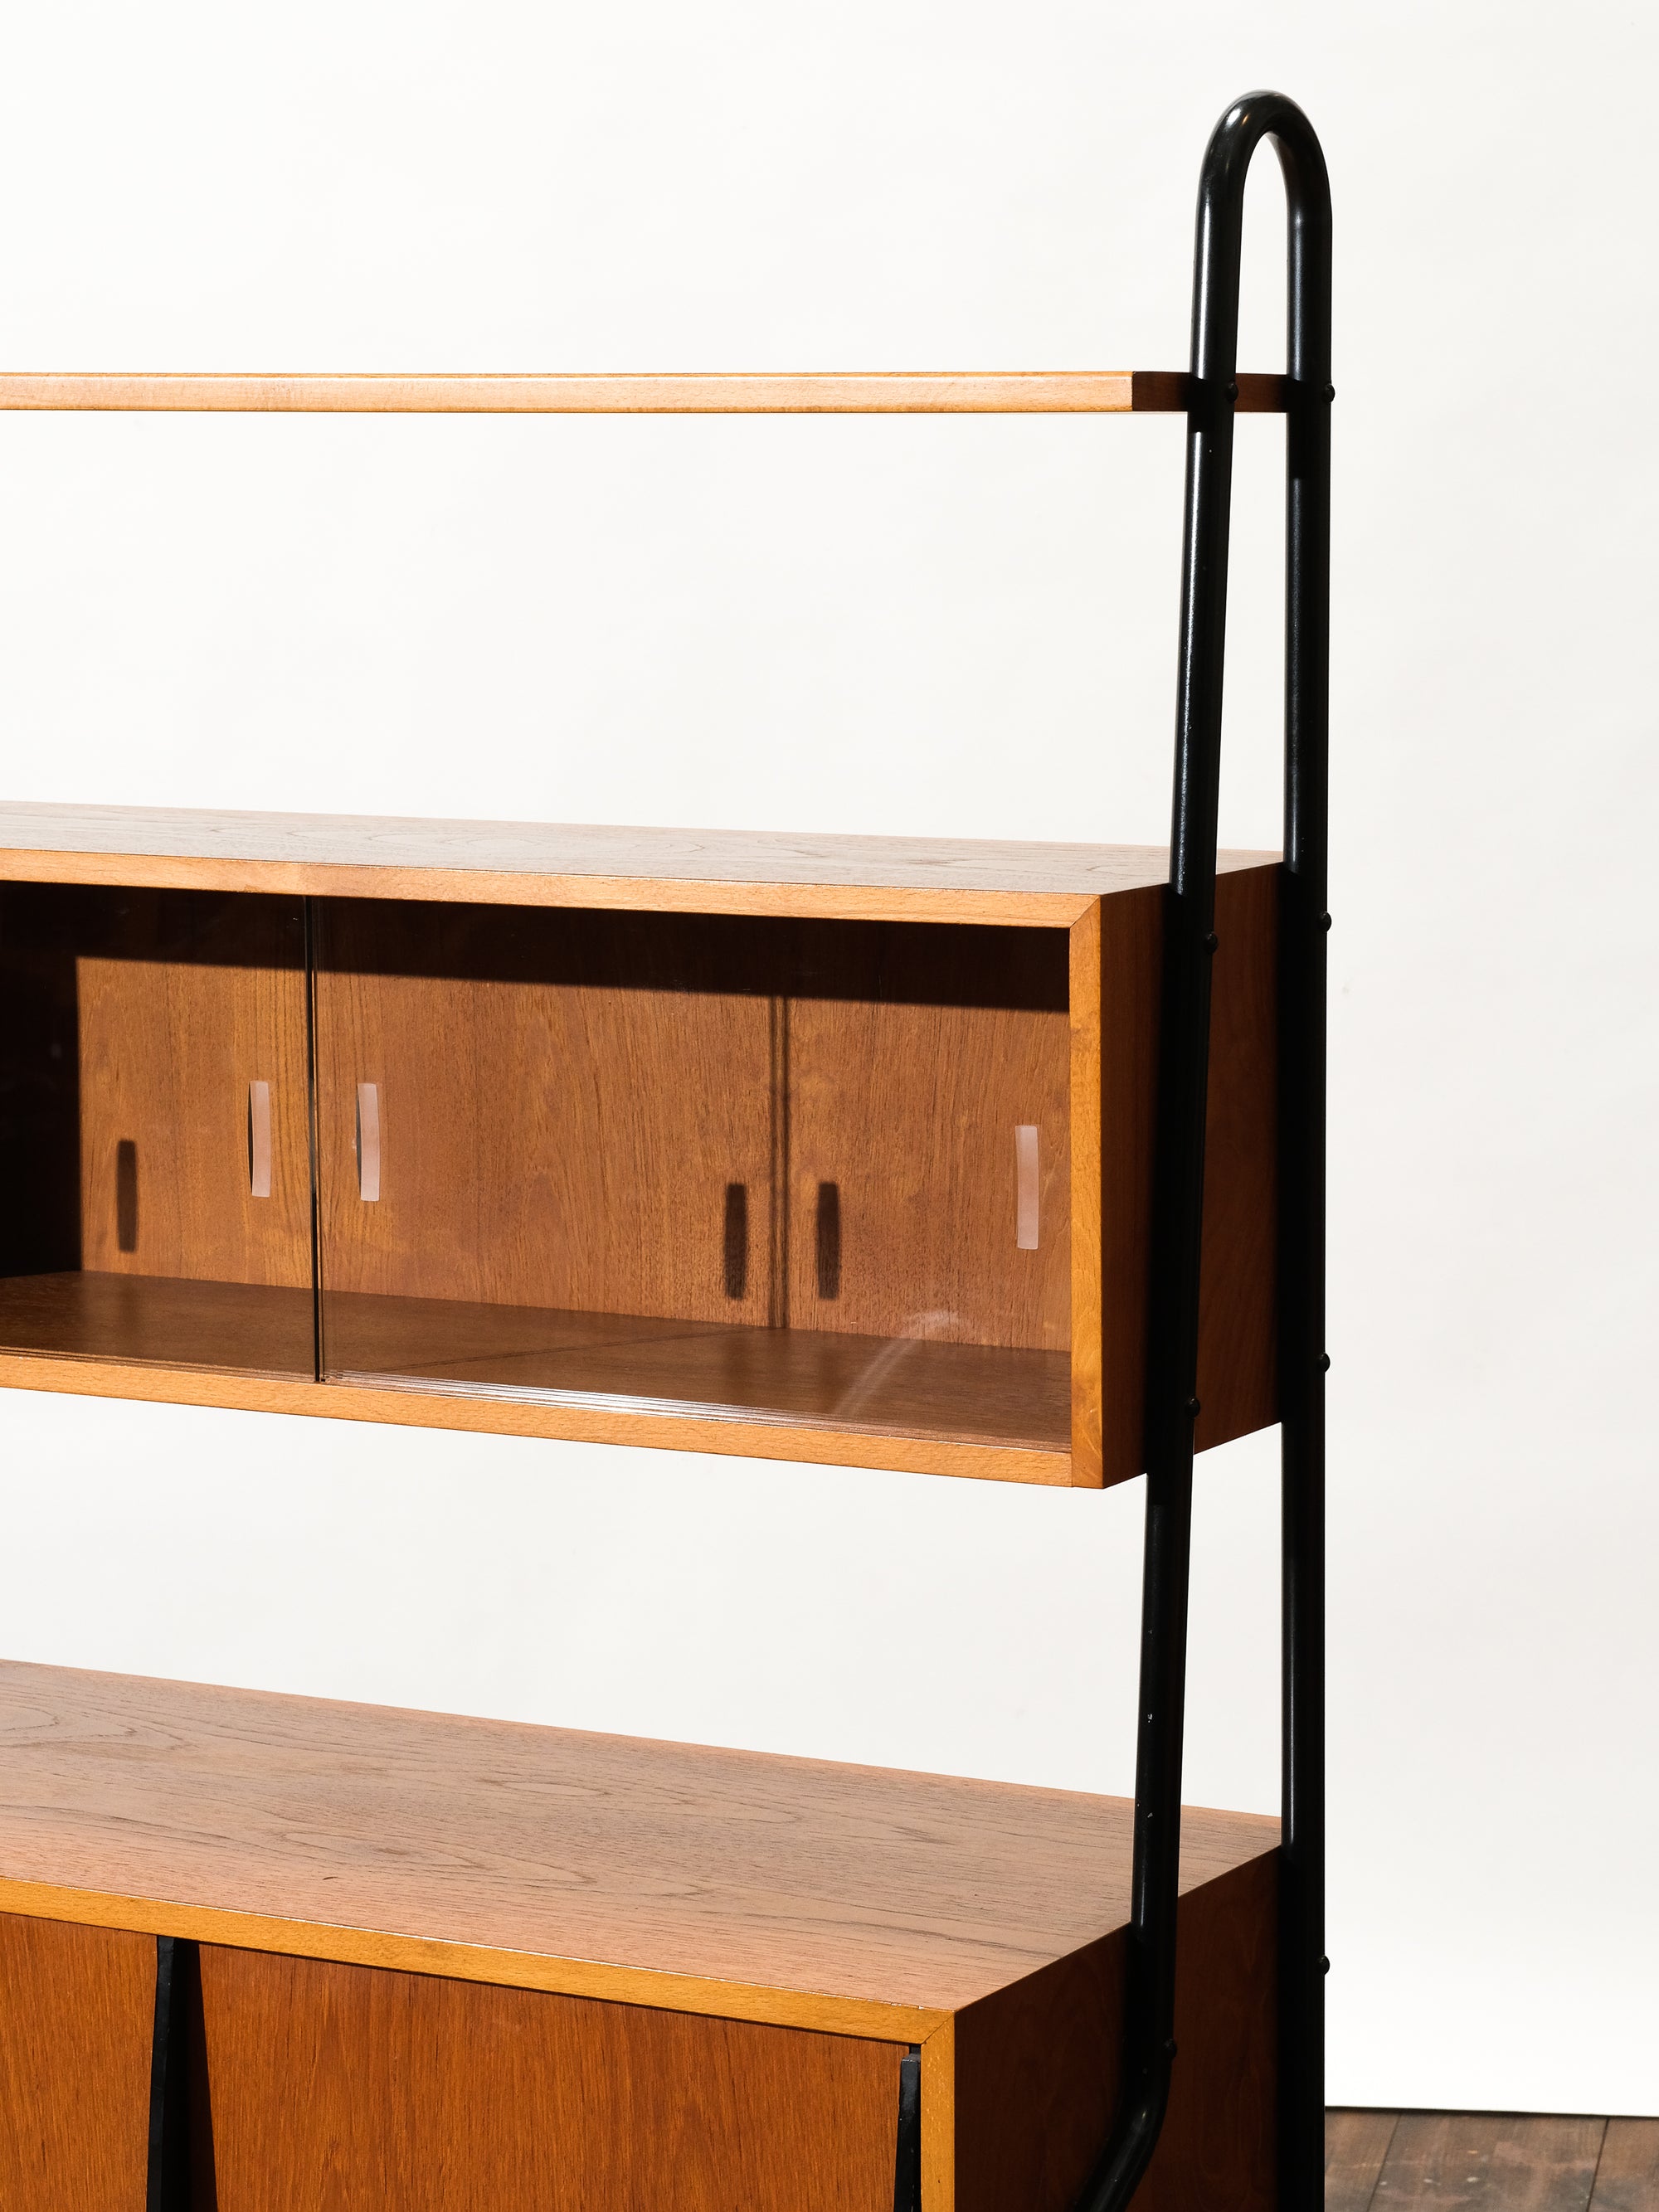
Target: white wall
{"type": "Point", "coordinates": [962, 626]}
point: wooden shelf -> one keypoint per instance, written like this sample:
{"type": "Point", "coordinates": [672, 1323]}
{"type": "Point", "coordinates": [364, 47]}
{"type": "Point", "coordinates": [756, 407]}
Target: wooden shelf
{"type": "Point", "coordinates": [579, 863]}
{"type": "Point", "coordinates": [895, 1386]}
{"type": "Point", "coordinates": [158, 1321]}
{"type": "Point", "coordinates": [1032, 392]}
{"type": "Point", "coordinates": [982, 1921]}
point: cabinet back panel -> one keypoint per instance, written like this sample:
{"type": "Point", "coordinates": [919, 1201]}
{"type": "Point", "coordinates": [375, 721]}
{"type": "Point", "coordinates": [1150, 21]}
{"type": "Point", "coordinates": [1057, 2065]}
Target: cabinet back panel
{"type": "Point", "coordinates": [356, 2088]}
{"type": "Point", "coordinates": [760, 1124]}
{"type": "Point", "coordinates": [905, 1172]}
{"type": "Point", "coordinates": [917, 1054]}
{"type": "Point", "coordinates": [566, 1106]}
{"type": "Point", "coordinates": [136, 1022]}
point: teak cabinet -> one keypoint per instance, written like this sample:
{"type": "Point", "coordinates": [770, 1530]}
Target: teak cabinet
{"type": "Point", "coordinates": [833, 1149]}
{"type": "Point", "coordinates": [610, 1976]}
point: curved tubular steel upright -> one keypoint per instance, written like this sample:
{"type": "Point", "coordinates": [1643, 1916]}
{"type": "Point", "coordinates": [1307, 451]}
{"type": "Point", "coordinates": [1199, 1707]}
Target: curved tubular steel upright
{"type": "Point", "coordinates": [1172, 1404]}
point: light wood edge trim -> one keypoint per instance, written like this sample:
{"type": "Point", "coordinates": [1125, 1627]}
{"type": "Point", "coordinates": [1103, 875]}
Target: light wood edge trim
{"type": "Point", "coordinates": [500, 887]}
{"type": "Point", "coordinates": [1038, 391]}
{"type": "Point", "coordinates": [471, 1962]}
{"type": "Point", "coordinates": [1084, 967]}
{"type": "Point", "coordinates": [1031, 391]}
{"type": "Point", "coordinates": [423, 1409]}
{"type": "Point", "coordinates": [938, 2118]}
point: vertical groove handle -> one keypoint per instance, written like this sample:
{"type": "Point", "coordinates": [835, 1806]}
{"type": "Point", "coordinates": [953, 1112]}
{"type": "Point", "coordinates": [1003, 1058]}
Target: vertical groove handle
{"type": "Point", "coordinates": [1026, 1186]}
{"type": "Point", "coordinates": [258, 1140]}
{"type": "Point", "coordinates": [369, 1141]}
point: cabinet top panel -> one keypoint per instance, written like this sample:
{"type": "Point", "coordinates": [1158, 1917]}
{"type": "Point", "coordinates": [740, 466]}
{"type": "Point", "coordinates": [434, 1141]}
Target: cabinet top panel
{"type": "Point", "coordinates": [577, 863]}
{"type": "Point", "coordinates": [731, 1882]}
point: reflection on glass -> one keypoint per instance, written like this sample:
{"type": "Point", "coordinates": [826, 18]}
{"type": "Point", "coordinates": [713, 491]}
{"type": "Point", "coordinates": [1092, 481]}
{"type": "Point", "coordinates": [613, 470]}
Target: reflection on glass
{"type": "Point", "coordinates": [787, 1171]}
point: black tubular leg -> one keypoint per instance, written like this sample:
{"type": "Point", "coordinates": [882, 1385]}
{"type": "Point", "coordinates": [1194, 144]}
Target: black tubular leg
{"type": "Point", "coordinates": [907, 2159]}
{"type": "Point", "coordinates": [1172, 1403]}
{"type": "Point", "coordinates": [169, 2152]}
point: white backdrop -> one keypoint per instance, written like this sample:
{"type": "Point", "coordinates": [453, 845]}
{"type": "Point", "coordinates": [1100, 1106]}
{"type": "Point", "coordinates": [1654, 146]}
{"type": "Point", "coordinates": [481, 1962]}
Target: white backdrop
{"type": "Point", "coordinates": [958, 627]}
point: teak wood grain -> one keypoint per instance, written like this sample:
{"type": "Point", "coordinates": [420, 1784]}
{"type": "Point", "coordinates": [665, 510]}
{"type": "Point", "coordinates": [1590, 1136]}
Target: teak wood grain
{"type": "Point", "coordinates": [1036, 2065]}
{"type": "Point", "coordinates": [916, 1137]}
{"type": "Point", "coordinates": [1237, 1351]}
{"type": "Point", "coordinates": [171, 1038]}
{"type": "Point", "coordinates": [912, 1056]}
{"type": "Point", "coordinates": [615, 1421]}
{"type": "Point", "coordinates": [359, 2089]}
{"type": "Point", "coordinates": [539, 864]}
{"type": "Point", "coordinates": [77, 2010]}
{"type": "Point", "coordinates": [567, 1104]}
{"type": "Point", "coordinates": [168, 1322]}
{"type": "Point", "coordinates": [1027, 391]}
{"type": "Point", "coordinates": [1087, 1132]}
{"type": "Point", "coordinates": [1237, 1375]}
{"type": "Point", "coordinates": [900, 1387]}
{"type": "Point", "coordinates": [833, 1898]}
{"type": "Point", "coordinates": [136, 1022]}
{"type": "Point", "coordinates": [1130, 951]}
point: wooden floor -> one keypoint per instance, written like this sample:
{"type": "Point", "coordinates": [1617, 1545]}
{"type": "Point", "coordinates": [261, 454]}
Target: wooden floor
{"type": "Point", "coordinates": [1489, 2162]}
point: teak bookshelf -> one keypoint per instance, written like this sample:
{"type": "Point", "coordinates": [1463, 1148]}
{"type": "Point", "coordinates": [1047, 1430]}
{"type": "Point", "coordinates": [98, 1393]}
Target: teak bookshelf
{"type": "Point", "coordinates": [984, 1159]}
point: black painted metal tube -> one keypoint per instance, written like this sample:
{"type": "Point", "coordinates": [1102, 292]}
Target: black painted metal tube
{"type": "Point", "coordinates": [1172, 1404]}
{"type": "Point", "coordinates": [167, 2186]}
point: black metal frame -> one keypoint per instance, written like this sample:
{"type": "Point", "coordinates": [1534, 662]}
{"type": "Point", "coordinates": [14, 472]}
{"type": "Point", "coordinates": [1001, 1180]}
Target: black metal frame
{"type": "Point", "coordinates": [906, 2155]}
{"type": "Point", "coordinates": [177, 1991]}
{"type": "Point", "coordinates": [1172, 1404]}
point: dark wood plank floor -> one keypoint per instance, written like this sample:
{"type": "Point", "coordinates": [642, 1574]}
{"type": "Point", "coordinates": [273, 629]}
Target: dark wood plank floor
{"type": "Point", "coordinates": [1489, 2162]}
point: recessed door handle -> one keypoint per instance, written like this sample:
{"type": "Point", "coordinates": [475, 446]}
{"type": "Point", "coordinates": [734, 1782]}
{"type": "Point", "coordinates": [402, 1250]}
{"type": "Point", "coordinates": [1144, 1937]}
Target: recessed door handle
{"type": "Point", "coordinates": [369, 1141]}
{"type": "Point", "coordinates": [1026, 1186]}
{"type": "Point", "coordinates": [258, 1140]}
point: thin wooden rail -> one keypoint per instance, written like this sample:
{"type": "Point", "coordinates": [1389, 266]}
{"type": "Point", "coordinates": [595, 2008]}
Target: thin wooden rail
{"type": "Point", "coordinates": [1056, 391]}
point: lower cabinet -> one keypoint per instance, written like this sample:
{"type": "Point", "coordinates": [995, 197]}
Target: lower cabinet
{"type": "Point", "coordinates": [351, 2088]}
{"type": "Point", "coordinates": [300, 2086]}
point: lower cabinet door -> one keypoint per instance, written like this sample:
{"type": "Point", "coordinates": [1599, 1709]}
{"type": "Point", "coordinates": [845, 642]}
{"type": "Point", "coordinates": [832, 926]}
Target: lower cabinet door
{"type": "Point", "coordinates": [77, 2012]}
{"type": "Point", "coordinates": [353, 2089]}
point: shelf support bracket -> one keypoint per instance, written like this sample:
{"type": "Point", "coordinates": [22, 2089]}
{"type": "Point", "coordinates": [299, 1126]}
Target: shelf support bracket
{"type": "Point", "coordinates": [1148, 2048]}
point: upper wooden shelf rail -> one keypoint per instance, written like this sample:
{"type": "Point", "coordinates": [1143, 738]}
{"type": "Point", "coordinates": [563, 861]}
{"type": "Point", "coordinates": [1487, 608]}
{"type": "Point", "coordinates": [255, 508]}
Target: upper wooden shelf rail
{"type": "Point", "coordinates": [1041, 391]}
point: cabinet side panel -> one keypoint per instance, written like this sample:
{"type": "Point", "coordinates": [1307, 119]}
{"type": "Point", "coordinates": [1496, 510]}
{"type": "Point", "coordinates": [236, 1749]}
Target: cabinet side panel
{"type": "Point", "coordinates": [1037, 2068]}
{"type": "Point", "coordinates": [1238, 1382]}
{"type": "Point", "coordinates": [1087, 1319]}
{"type": "Point", "coordinates": [77, 2010]}
{"type": "Point", "coordinates": [1131, 953]}
{"type": "Point", "coordinates": [358, 2088]}
{"type": "Point", "coordinates": [1237, 1376]}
